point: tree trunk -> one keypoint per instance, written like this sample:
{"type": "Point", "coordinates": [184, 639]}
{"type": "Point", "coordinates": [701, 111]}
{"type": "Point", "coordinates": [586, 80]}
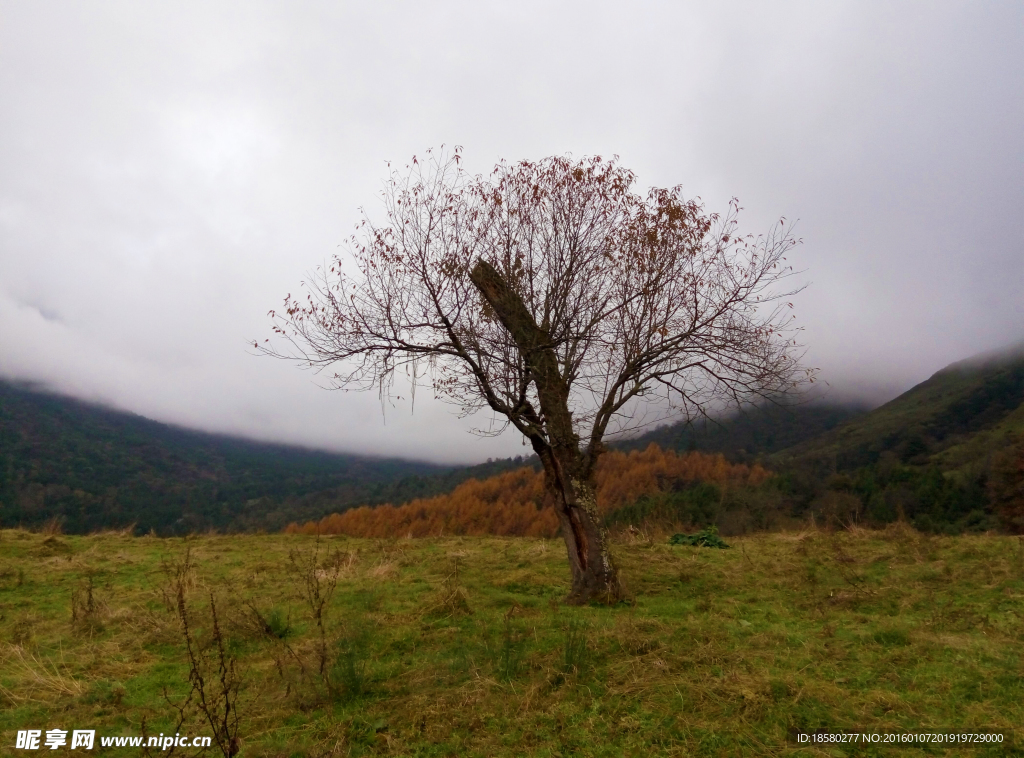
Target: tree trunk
{"type": "Point", "coordinates": [594, 576]}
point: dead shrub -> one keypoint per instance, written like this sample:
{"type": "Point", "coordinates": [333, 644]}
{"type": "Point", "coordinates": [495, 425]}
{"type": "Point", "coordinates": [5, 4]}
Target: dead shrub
{"type": "Point", "coordinates": [181, 578]}
{"type": "Point", "coordinates": [52, 527]}
{"type": "Point", "coordinates": [87, 610]}
{"type": "Point", "coordinates": [451, 601]}
{"type": "Point", "coordinates": [319, 579]}
{"type": "Point", "coordinates": [215, 680]}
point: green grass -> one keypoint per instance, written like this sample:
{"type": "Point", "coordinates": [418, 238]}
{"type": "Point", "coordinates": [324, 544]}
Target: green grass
{"type": "Point", "coordinates": [461, 646]}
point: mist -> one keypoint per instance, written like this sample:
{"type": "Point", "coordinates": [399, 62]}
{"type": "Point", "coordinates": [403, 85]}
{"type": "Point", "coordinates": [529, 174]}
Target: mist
{"type": "Point", "coordinates": [169, 173]}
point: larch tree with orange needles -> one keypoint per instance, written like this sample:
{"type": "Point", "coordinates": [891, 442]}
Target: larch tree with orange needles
{"type": "Point", "coordinates": [558, 297]}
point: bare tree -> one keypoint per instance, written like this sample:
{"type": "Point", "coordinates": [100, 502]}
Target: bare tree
{"type": "Point", "coordinates": [555, 295]}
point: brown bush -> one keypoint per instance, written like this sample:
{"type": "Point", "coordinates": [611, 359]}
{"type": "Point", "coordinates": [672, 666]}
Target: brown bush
{"type": "Point", "coordinates": [513, 504]}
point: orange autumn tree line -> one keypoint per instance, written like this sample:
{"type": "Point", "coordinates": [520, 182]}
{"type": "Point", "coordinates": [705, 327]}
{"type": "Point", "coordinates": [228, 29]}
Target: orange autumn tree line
{"type": "Point", "coordinates": [512, 504]}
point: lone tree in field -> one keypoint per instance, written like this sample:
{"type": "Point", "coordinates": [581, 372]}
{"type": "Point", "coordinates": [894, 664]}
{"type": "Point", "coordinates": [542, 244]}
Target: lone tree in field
{"type": "Point", "coordinates": [553, 294]}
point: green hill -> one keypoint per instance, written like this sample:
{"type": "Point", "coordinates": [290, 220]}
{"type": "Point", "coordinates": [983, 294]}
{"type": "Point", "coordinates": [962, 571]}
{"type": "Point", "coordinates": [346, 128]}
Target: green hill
{"type": "Point", "coordinates": [947, 454]}
{"type": "Point", "coordinates": [751, 433]}
{"type": "Point", "coordinates": [957, 417]}
{"type": "Point", "coordinates": [93, 468]}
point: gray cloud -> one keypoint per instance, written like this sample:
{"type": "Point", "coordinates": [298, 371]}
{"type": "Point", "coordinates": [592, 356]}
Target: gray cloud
{"type": "Point", "coordinates": [168, 173]}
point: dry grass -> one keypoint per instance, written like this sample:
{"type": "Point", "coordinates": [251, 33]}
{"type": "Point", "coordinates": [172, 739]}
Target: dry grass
{"type": "Point", "coordinates": [39, 679]}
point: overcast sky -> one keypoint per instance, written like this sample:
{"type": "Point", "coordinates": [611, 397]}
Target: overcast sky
{"type": "Point", "coordinates": [170, 171]}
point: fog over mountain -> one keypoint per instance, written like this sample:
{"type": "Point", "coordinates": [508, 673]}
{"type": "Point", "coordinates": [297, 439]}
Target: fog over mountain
{"type": "Point", "coordinates": [168, 173]}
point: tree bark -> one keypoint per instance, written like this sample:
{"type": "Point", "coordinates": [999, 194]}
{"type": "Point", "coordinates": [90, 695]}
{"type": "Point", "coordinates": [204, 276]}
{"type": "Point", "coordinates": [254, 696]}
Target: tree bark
{"type": "Point", "coordinates": [571, 488]}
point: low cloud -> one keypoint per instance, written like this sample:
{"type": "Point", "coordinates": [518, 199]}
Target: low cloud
{"type": "Point", "coordinates": [169, 173]}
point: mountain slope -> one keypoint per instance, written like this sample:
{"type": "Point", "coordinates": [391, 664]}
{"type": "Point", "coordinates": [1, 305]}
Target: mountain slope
{"type": "Point", "coordinates": [93, 468]}
{"type": "Point", "coordinates": [750, 433]}
{"type": "Point", "coordinates": [947, 455]}
{"type": "Point", "coordinates": [956, 408]}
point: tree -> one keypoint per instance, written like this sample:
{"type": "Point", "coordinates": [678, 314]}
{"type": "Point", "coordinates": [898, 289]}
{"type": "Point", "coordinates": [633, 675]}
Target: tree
{"type": "Point", "coordinates": [555, 295]}
{"type": "Point", "coordinates": [1006, 486]}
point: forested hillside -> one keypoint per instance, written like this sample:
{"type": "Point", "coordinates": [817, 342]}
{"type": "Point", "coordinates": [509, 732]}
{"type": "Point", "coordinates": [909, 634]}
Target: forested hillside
{"type": "Point", "coordinates": [757, 431]}
{"type": "Point", "coordinates": [94, 468]}
{"type": "Point", "coordinates": [947, 455]}
{"type": "Point", "coordinates": [633, 488]}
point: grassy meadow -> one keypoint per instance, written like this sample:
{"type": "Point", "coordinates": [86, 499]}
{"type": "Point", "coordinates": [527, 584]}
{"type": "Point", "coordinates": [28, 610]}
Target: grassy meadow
{"type": "Point", "coordinates": [461, 646]}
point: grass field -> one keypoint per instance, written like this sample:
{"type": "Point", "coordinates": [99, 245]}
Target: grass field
{"type": "Point", "coordinates": [460, 646]}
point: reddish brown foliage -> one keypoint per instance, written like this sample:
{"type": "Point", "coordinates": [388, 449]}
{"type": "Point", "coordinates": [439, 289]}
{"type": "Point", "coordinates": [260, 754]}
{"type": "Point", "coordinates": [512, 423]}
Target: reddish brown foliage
{"type": "Point", "coordinates": [513, 504]}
